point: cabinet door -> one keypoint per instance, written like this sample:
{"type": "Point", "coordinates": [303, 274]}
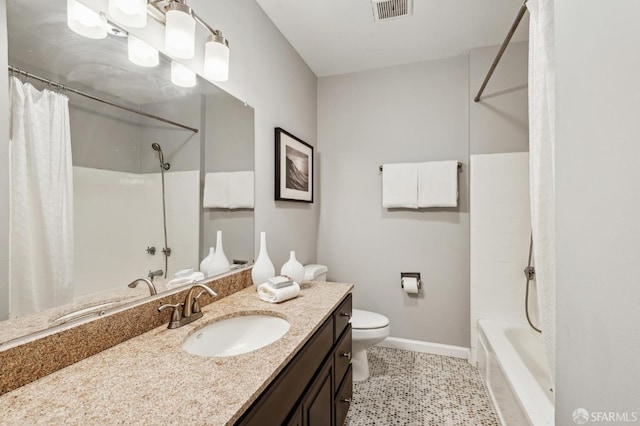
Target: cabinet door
{"type": "Point", "coordinates": [317, 405]}
{"type": "Point", "coordinates": [296, 418]}
{"type": "Point", "coordinates": [343, 397]}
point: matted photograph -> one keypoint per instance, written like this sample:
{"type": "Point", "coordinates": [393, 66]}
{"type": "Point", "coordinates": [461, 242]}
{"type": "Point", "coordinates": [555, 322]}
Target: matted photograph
{"type": "Point", "coordinates": [294, 168]}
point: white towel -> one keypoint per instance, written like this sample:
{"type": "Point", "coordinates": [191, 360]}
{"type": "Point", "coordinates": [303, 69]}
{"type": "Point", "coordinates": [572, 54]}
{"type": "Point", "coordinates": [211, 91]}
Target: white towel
{"type": "Point", "coordinates": [184, 280]}
{"type": "Point", "coordinates": [400, 185]}
{"type": "Point", "coordinates": [216, 190]}
{"type": "Point", "coordinates": [438, 184]}
{"type": "Point", "coordinates": [241, 190]}
{"type": "Point", "coordinates": [277, 295]}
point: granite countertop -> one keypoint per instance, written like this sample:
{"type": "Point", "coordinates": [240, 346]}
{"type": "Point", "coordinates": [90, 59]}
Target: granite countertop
{"type": "Point", "coordinates": [150, 379]}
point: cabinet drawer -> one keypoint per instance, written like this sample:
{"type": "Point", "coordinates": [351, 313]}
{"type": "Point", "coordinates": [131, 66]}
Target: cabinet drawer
{"type": "Point", "coordinates": [343, 398]}
{"type": "Point", "coordinates": [342, 355]}
{"type": "Point", "coordinates": [341, 317]}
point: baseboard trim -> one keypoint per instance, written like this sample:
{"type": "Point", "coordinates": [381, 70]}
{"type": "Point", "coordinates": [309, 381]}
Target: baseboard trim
{"type": "Point", "coordinates": [425, 347]}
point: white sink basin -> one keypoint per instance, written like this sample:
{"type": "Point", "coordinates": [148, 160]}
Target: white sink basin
{"type": "Point", "coordinates": [236, 335]}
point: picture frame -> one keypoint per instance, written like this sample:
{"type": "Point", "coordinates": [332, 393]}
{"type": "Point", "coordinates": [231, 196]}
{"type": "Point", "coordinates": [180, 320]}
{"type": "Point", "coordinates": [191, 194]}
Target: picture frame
{"type": "Point", "coordinates": [294, 168]}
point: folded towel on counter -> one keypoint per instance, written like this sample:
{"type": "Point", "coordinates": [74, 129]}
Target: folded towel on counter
{"type": "Point", "coordinates": [438, 184]}
{"type": "Point", "coordinates": [241, 192]}
{"type": "Point", "coordinates": [277, 295]}
{"type": "Point", "coordinates": [184, 280]}
{"type": "Point", "coordinates": [184, 273]}
{"type": "Point", "coordinates": [216, 190]}
{"type": "Point", "coordinates": [400, 185]}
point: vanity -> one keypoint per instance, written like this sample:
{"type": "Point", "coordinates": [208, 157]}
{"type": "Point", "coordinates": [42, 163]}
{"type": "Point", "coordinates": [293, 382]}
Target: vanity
{"type": "Point", "coordinates": [302, 378]}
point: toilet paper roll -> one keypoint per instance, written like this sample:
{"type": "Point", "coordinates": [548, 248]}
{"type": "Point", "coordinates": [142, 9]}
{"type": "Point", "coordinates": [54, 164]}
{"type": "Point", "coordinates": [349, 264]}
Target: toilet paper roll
{"type": "Point", "coordinates": [410, 285]}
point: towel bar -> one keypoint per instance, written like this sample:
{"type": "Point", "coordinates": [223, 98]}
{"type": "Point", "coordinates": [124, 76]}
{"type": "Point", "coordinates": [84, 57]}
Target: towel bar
{"type": "Point", "coordinates": [459, 167]}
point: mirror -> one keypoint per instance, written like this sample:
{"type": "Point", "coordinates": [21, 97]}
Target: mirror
{"type": "Point", "coordinates": [118, 179]}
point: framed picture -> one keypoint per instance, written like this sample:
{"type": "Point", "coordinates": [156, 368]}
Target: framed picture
{"type": "Point", "coordinates": [294, 168]}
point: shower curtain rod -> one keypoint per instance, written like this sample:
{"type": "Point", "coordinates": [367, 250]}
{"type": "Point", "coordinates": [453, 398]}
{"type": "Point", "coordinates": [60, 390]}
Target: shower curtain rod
{"type": "Point", "coordinates": [505, 43]}
{"type": "Point", "coordinates": [104, 101]}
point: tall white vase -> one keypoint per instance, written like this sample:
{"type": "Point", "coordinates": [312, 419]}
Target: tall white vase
{"type": "Point", "coordinates": [293, 269]}
{"type": "Point", "coordinates": [204, 265]}
{"type": "Point", "coordinates": [219, 263]}
{"type": "Point", "coordinates": [263, 269]}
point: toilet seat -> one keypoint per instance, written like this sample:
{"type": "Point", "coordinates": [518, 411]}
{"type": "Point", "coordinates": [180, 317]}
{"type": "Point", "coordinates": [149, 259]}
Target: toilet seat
{"type": "Point", "coordinates": [365, 320]}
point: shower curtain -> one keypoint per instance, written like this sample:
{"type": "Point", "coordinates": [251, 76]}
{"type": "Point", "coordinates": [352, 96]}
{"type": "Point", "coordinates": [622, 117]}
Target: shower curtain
{"type": "Point", "coordinates": [41, 197]}
{"type": "Point", "coordinates": [542, 165]}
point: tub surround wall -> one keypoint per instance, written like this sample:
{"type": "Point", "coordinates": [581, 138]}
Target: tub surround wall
{"type": "Point", "coordinates": [135, 381]}
{"type": "Point", "coordinates": [30, 361]}
{"type": "Point", "coordinates": [597, 208]}
{"type": "Point", "coordinates": [500, 230]}
{"type": "Point", "coordinates": [125, 216]}
{"type": "Point", "coordinates": [407, 113]}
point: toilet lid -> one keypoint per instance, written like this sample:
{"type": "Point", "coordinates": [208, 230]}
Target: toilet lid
{"type": "Point", "coordinates": [368, 320]}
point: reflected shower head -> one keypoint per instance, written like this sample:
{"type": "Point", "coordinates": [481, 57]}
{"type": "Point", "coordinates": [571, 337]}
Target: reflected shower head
{"type": "Point", "coordinates": [163, 165]}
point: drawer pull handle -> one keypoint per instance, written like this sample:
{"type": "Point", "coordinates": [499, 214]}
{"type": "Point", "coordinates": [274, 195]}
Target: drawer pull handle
{"type": "Point", "coordinates": [345, 314]}
{"type": "Point", "coordinates": [347, 400]}
{"type": "Point", "coordinates": [346, 355]}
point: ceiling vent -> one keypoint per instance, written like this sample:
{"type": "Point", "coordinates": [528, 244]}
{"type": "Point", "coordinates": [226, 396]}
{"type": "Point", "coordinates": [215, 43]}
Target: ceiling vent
{"type": "Point", "coordinates": [391, 9]}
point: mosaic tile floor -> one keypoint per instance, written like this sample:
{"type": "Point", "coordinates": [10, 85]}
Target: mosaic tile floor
{"type": "Point", "coordinates": [412, 388]}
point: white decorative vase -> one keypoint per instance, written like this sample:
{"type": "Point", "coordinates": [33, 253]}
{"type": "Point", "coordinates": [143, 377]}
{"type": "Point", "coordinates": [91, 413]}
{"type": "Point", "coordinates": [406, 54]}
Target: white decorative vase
{"type": "Point", "coordinates": [293, 269]}
{"type": "Point", "coordinates": [219, 263]}
{"type": "Point", "coordinates": [204, 265]}
{"type": "Point", "coordinates": [263, 269]}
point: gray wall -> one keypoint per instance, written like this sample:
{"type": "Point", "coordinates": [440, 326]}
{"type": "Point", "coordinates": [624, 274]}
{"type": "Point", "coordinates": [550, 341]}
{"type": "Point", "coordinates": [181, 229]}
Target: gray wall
{"type": "Point", "coordinates": [4, 170]}
{"type": "Point", "coordinates": [499, 122]}
{"type": "Point", "coordinates": [408, 113]}
{"type": "Point", "coordinates": [269, 74]}
{"type": "Point", "coordinates": [181, 148]}
{"type": "Point", "coordinates": [597, 207]}
{"type": "Point", "coordinates": [229, 147]}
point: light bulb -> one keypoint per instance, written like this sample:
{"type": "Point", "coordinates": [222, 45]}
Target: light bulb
{"type": "Point", "coordinates": [85, 21]}
{"type": "Point", "coordinates": [140, 53]}
{"type": "Point", "coordinates": [132, 13]}
{"type": "Point", "coordinates": [180, 31]}
{"type": "Point", "coordinates": [216, 58]}
{"type": "Point", "coordinates": [181, 75]}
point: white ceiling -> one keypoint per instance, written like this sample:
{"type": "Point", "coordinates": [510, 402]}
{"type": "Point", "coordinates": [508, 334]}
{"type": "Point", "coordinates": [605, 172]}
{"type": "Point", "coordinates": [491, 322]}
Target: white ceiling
{"type": "Point", "coordinates": [340, 36]}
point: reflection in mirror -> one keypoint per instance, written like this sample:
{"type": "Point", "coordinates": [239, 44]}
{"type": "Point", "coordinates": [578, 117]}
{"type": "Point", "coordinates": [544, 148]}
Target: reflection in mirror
{"type": "Point", "coordinates": [136, 182]}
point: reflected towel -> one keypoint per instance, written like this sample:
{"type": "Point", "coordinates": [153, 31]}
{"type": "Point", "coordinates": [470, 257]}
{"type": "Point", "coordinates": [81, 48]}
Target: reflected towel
{"type": "Point", "coordinates": [189, 279]}
{"type": "Point", "coordinates": [277, 295]}
{"type": "Point", "coordinates": [400, 185]}
{"type": "Point", "coordinates": [241, 190]}
{"type": "Point", "coordinates": [216, 190]}
{"type": "Point", "coordinates": [438, 184]}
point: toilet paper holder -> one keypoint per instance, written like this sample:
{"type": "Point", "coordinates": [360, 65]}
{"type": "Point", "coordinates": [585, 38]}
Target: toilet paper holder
{"type": "Point", "coordinates": [415, 275]}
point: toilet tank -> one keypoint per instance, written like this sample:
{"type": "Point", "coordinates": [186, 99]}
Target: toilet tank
{"type": "Point", "coordinates": [315, 272]}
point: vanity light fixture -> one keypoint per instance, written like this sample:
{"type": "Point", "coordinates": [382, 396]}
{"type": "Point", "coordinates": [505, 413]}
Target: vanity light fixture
{"type": "Point", "coordinates": [182, 76]}
{"type": "Point", "coordinates": [179, 34]}
{"type": "Point", "coordinates": [85, 21]}
{"type": "Point", "coordinates": [132, 13]}
{"type": "Point", "coordinates": [140, 53]}
{"type": "Point", "coordinates": [216, 57]}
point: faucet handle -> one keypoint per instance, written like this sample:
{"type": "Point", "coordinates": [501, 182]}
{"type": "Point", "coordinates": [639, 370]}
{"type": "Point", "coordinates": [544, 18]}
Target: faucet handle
{"type": "Point", "coordinates": [175, 316]}
{"type": "Point", "coordinates": [196, 305]}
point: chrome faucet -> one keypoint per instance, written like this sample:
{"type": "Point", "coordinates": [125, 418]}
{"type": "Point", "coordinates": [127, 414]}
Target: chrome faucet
{"type": "Point", "coordinates": [190, 307]}
{"type": "Point", "coordinates": [152, 288]}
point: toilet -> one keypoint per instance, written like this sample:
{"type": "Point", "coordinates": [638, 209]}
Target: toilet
{"type": "Point", "coordinates": [368, 328]}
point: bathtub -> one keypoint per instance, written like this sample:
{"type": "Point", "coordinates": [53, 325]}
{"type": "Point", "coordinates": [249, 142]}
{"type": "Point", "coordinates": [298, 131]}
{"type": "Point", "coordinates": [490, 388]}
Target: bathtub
{"type": "Point", "coordinates": [513, 367]}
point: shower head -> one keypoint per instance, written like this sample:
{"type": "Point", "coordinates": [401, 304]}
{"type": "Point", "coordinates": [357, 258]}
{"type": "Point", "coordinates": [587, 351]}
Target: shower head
{"type": "Point", "coordinates": [163, 165]}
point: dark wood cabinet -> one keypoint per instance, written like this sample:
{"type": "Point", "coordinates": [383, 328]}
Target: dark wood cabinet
{"type": "Point", "coordinates": [315, 388]}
